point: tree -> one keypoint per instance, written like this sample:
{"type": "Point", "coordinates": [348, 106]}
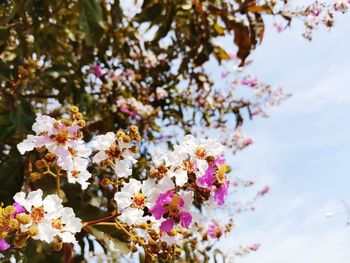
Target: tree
{"type": "Point", "coordinates": [144, 76]}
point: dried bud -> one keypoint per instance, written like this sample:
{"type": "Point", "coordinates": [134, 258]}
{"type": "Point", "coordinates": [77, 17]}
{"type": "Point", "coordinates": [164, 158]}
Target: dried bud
{"type": "Point", "coordinates": [40, 164]}
{"type": "Point", "coordinates": [13, 223]}
{"type": "Point", "coordinates": [57, 246]}
{"type": "Point", "coordinates": [133, 249]}
{"type": "Point", "coordinates": [35, 176]}
{"type": "Point", "coordinates": [133, 129]}
{"type": "Point", "coordinates": [21, 241]}
{"type": "Point", "coordinates": [105, 182]}
{"type": "Point", "coordinates": [134, 149]}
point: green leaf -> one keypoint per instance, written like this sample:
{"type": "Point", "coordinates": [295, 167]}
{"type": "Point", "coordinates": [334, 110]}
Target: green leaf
{"type": "Point", "coordinates": [5, 71]}
{"type": "Point", "coordinates": [11, 178]}
{"type": "Point", "coordinates": [91, 21]}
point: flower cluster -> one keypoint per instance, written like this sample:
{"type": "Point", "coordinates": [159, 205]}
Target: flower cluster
{"type": "Point", "coordinates": [64, 144]}
{"type": "Point", "coordinates": [134, 107]}
{"type": "Point", "coordinates": [156, 212]}
{"type": "Point", "coordinates": [41, 219]}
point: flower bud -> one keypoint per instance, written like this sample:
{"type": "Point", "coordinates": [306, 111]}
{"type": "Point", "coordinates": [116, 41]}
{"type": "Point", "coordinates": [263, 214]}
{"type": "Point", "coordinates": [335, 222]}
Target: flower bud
{"type": "Point", "coordinates": [9, 210]}
{"type": "Point", "coordinates": [81, 123]}
{"type": "Point", "coordinates": [133, 249]}
{"type": "Point", "coordinates": [33, 230]}
{"type": "Point", "coordinates": [134, 149]}
{"type": "Point", "coordinates": [120, 134]}
{"type": "Point", "coordinates": [126, 138]}
{"type": "Point", "coordinates": [13, 223]}
{"type": "Point", "coordinates": [3, 234]}
{"type": "Point", "coordinates": [23, 218]}
{"type": "Point", "coordinates": [66, 122]}
{"type": "Point", "coordinates": [78, 116]}
{"type": "Point", "coordinates": [74, 109]}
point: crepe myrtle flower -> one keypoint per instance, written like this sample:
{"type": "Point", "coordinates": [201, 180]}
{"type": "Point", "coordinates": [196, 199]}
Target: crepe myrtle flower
{"type": "Point", "coordinates": [117, 150]}
{"type": "Point", "coordinates": [169, 165]}
{"type": "Point", "coordinates": [172, 208]}
{"type": "Point", "coordinates": [215, 179]}
{"type": "Point", "coordinates": [135, 196]}
{"type": "Point", "coordinates": [48, 217]}
{"type": "Point", "coordinates": [61, 138]}
{"type": "Point", "coordinates": [199, 152]}
{"type": "Point", "coordinates": [215, 230]}
{"type": "Point", "coordinates": [4, 245]}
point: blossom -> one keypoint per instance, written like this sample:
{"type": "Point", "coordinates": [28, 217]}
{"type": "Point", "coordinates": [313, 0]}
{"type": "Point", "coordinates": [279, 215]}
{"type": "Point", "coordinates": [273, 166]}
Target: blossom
{"type": "Point", "coordinates": [115, 150]}
{"type": "Point", "coordinates": [4, 245]}
{"type": "Point", "coordinates": [136, 195]}
{"type": "Point", "coordinates": [199, 152]}
{"type": "Point", "coordinates": [220, 193]}
{"type": "Point", "coordinates": [215, 230]}
{"type": "Point", "coordinates": [63, 140]}
{"type": "Point", "coordinates": [173, 207]}
{"type": "Point", "coordinates": [134, 107]}
{"type": "Point", "coordinates": [49, 217]}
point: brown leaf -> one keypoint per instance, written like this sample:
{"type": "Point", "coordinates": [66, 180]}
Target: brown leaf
{"type": "Point", "coordinates": [243, 41]}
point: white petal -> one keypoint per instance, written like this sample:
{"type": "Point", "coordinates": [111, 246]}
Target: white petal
{"type": "Point", "coordinates": [132, 216]}
{"type": "Point", "coordinates": [26, 145]}
{"type": "Point", "coordinates": [123, 199]}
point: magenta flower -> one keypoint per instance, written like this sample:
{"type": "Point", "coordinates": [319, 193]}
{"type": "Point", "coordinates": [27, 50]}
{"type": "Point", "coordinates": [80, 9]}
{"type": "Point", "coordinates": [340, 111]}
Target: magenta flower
{"type": "Point", "coordinates": [171, 207]}
{"type": "Point", "coordinates": [96, 70]}
{"type": "Point", "coordinates": [4, 245]}
{"type": "Point", "coordinates": [18, 209]}
{"type": "Point", "coordinates": [208, 179]}
{"type": "Point", "coordinates": [264, 191]}
{"type": "Point", "coordinates": [167, 225]}
{"type": "Point", "coordinates": [221, 193]}
{"type": "Point", "coordinates": [185, 219]}
{"type": "Point", "coordinates": [220, 161]}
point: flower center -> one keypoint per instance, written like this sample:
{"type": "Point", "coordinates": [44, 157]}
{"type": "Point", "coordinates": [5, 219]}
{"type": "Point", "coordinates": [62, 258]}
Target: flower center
{"type": "Point", "coordinates": [61, 137]}
{"type": "Point", "coordinates": [200, 153]}
{"type": "Point", "coordinates": [56, 223]}
{"type": "Point", "coordinates": [162, 169]}
{"type": "Point", "coordinates": [114, 152]}
{"type": "Point", "coordinates": [37, 214]}
{"type": "Point", "coordinates": [221, 174]}
{"type": "Point", "coordinates": [139, 200]}
{"type": "Point", "coordinates": [75, 173]}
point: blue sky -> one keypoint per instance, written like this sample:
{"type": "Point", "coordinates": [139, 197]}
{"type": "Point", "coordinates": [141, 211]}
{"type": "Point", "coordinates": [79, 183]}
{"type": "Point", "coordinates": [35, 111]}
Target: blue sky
{"type": "Point", "coordinates": [301, 151]}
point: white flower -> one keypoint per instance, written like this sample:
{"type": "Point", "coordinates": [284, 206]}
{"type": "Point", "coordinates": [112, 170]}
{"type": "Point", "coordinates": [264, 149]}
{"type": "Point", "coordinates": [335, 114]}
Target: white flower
{"type": "Point", "coordinates": [79, 173]}
{"type": "Point", "coordinates": [136, 195]}
{"type": "Point", "coordinates": [115, 150]}
{"type": "Point", "coordinates": [62, 140]}
{"type": "Point", "coordinates": [49, 216]}
{"type": "Point", "coordinates": [198, 152]}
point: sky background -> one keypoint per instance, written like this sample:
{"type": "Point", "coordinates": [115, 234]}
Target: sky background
{"type": "Point", "coordinates": [301, 151]}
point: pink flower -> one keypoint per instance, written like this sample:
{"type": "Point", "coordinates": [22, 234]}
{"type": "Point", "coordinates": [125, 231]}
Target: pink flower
{"type": "Point", "coordinates": [264, 191]}
{"type": "Point", "coordinates": [167, 225]}
{"type": "Point", "coordinates": [215, 230]}
{"type": "Point", "coordinates": [132, 113]}
{"type": "Point", "coordinates": [221, 193]}
{"type": "Point", "coordinates": [208, 179]}
{"type": "Point", "coordinates": [254, 247]}
{"type": "Point", "coordinates": [171, 206]}
{"type": "Point", "coordinates": [124, 109]}
{"type": "Point", "coordinates": [185, 219]}
{"type": "Point", "coordinates": [4, 245]}
{"type": "Point", "coordinates": [18, 209]}
{"type": "Point", "coordinates": [96, 70]}
{"type": "Point", "coordinates": [219, 161]}
{"type": "Point", "coordinates": [224, 74]}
